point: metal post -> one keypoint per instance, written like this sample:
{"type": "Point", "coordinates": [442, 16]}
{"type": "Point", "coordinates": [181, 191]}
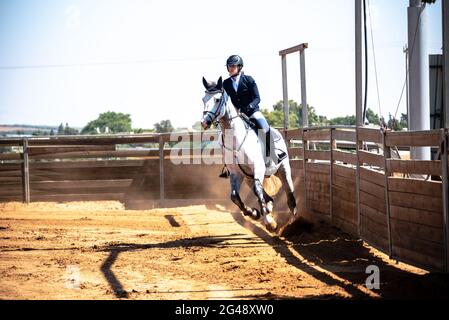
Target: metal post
{"type": "Point", "coordinates": [302, 63]}
{"type": "Point", "coordinates": [285, 90]}
{"type": "Point", "coordinates": [358, 63]}
{"type": "Point", "coordinates": [445, 190]}
{"type": "Point", "coordinates": [445, 15]}
{"type": "Point", "coordinates": [161, 169]}
{"type": "Point", "coordinates": [444, 153]}
{"type": "Point", "coordinates": [304, 149]}
{"type": "Point", "coordinates": [26, 173]}
{"type": "Point", "coordinates": [407, 95]}
{"type": "Point", "coordinates": [283, 53]}
{"type": "Point", "coordinates": [418, 75]}
{"type": "Point", "coordinates": [358, 97]}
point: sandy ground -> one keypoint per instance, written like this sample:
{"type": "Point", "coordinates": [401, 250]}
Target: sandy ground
{"type": "Point", "coordinates": [99, 250]}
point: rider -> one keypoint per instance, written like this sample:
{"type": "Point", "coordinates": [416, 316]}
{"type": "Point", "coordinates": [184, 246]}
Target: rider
{"type": "Point", "coordinates": [245, 97]}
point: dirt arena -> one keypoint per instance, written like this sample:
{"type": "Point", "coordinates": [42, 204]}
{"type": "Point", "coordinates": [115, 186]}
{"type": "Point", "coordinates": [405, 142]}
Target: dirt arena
{"type": "Point", "coordinates": [99, 250]}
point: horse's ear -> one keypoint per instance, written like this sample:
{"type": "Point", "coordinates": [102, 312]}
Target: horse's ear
{"type": "Point", "coordinates": [220, 83]}
{"type": "Point", "coordinates": [205, 84]}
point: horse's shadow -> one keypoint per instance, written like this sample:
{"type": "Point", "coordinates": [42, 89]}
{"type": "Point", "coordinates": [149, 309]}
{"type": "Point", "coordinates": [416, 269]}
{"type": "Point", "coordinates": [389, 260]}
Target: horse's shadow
{"type": "Point", "coordinates": [338, 259]}
{"type": "Point", "coordinates": [320, 250]}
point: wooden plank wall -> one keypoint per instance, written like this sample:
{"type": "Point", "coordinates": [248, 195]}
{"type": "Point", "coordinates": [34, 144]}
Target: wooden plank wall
{"type": "Point", "coordinates": [71, 168]}
{"type": "Point", "coordinates": [11, 181]}
{"type": "Point", "coordinates": [317, 171]}
{"type": "Point", "coordinates": [415, 204]}
{"type": "Point", "coordinates": [344, 205]}
{"type": "Point", "coordinates": [11, 168]}
{"type": "Point", "coordinates": [372, 194]}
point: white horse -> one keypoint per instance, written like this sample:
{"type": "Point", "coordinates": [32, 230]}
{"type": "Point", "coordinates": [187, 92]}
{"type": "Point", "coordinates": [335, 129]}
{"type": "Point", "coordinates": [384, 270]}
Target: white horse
{"type": "Point", "coordinates": [240, 141]}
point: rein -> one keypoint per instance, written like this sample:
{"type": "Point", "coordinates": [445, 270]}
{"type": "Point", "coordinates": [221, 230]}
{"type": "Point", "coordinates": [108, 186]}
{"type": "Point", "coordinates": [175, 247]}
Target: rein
{"type": "Point", "coordinates": [215, 114]}
{"type": "Point", "coordinates": [244, 139]}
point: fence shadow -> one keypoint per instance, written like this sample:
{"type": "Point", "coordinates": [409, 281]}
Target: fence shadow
{"type": "Point", "coordinates": [115, 250]}
{"type": "Point", "coordinates": [342, 261]}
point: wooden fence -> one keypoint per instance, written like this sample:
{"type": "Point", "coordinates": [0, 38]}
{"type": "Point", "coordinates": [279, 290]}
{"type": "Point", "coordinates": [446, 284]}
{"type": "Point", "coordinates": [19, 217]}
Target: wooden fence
{"type": "Point", "coordinates": [350, 178]}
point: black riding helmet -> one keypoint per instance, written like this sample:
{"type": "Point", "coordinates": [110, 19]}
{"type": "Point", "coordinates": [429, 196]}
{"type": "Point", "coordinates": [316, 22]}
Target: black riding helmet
{"type": "Point", "coordinates": [234, 60]}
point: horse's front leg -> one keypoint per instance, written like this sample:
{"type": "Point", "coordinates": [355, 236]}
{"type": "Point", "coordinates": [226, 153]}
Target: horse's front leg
{"type": "Point", "coordinates": [236, 182]}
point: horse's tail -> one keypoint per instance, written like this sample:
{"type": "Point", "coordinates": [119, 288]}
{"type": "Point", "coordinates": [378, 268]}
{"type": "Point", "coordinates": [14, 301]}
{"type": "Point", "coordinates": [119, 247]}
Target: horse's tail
{"type": "Point", "coordinates": [272, 185]}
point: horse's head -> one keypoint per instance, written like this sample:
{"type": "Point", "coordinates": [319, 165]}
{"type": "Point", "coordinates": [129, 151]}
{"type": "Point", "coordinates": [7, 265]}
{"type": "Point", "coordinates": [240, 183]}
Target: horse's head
{"type": "Point", "coordinates": [214, 103]}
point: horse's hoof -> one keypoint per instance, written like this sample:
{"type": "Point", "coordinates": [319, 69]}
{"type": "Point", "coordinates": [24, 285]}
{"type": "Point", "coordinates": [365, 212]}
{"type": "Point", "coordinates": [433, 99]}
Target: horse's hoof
{"type": "Point", "coordinates": [248, 212]}
{"type": "Point", "coordinates": [270, 223]}
{"type": "Point", "coordinates": [270, 206]}
{"type": "Point", "coordinates": [255, 214]}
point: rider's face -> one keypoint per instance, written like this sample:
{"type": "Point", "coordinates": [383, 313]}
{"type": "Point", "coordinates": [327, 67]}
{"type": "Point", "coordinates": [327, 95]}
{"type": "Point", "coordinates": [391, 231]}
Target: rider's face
{"type": "Point", "coordinates": [233, 70]}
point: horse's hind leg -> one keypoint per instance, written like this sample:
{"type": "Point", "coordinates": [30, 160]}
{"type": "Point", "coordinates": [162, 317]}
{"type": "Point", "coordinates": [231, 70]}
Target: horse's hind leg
{"type": "Point", "coordinates": [268, 220]}
{"type": "Point", "coordinates": [236, 182]}
{"type": "Point", "coordinates": [284, 173]}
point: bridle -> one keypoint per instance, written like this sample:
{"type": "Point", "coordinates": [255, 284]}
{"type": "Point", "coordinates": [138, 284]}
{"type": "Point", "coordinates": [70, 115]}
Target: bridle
{"type": "Point", "coordinates": [213, 115]}
{"type": "Point", "coordinates": [222, 103]}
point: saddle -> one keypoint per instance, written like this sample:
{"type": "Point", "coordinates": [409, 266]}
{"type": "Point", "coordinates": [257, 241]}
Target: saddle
{"type": "Point", "coordinates": [248, 121]}
{"type": "Point", "coordinates": [271, 138]}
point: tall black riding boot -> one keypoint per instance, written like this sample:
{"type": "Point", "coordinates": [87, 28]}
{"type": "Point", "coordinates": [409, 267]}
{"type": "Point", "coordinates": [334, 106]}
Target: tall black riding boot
{"type": "Point", "coordinates": [270, 150]}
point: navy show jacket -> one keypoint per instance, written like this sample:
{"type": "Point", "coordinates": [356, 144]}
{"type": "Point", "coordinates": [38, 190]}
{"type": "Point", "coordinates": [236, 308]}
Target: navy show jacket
{"type": "Point", "coordinates": [247, 97]}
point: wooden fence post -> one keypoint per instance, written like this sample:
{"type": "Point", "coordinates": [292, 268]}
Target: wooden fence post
{"type": "Point", "coordinates": [387, 154]}
{"type": "Point", "coordinates": [331, 178]}
{"type": "Point", "coordinates": [161, 169]}
{"type": "Point", "coordinates": [445, 191]}
{"type": "Point", "coordinates": [26, 173]}
{"type": "Point", "coordinates": [357, 180]}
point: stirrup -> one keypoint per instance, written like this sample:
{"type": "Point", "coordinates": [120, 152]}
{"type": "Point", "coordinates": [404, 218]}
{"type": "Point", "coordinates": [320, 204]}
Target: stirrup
{"type": "Point", "coordinates": [224, 172]}
{"type": "Point", "coordinates": [276, 159]}
{"type": "Point", "coordinates": [282, 156]}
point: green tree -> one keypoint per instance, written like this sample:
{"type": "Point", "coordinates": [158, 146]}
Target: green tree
{"type": "Point", "coordinates": [69, 131]}
{"type": "Point", "coordinates": [142, 130]}
{"type": "Point", "coordinates": [371, 117]}
{"type": "Point", "coordinates": [395, 124]}
{"type": "Point", "coordinates": [346, 120]}
{"type": "Point", "coordinates": [61, 129]}
{"type": "Point", "coordinates": [276, 117]}
{"type": "Point", "coordinates": [39, 133]}
{"type": "Point", "coordinates": [115, 121]}
{"type": "Point", "coordinates": [163, 126]}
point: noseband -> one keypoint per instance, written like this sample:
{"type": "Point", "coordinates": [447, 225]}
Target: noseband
{"type": "Point", "coordinates": [219, 108]}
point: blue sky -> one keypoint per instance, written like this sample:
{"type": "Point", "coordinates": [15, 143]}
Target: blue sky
{"type": "Point", "coordinates": [79, 58]}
